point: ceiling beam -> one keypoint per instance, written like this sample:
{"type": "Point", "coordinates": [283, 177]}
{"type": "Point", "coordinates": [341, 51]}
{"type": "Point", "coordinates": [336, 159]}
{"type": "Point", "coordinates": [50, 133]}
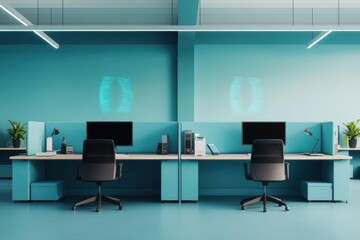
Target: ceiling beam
{"type": "Point", "coordinates": [24, 21]}
{"type": "Point", "coordinates": [177, 28]}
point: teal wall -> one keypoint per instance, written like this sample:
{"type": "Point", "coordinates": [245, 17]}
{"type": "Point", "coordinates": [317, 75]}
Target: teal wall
{"type": "Point", "coordinates": [228, 77]}
{"type": "Point", "coordinates": [237, 80]}
{"type": "Point", "coordinates": [43, 84]}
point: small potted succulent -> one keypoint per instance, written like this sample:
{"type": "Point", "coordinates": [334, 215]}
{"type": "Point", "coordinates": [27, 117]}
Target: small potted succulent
{"type": "Point", "coordinates": [17, 132]}
{"type": "Point", "coordinates": [352, 133]}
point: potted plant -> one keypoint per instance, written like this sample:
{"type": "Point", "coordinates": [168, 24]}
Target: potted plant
{"type": "Point", "coordinates": [17, 131]}
{"type": "Point", "coordinates": [352, 133]}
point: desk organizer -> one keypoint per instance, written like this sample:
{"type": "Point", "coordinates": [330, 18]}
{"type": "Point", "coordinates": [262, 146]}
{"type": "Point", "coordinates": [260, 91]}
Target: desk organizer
{"type": "Point", "coordinates": [316, 191]}
{"type": "Point", "coordinates": [47, 190]}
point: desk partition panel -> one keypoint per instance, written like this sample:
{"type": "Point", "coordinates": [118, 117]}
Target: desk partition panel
{"type": "Point", "coordinates": [146, 136]}
{"type": "Point", "coordinates": [227, 136]}
{"type": "Point", "coordinates": [327, 134]}
{"type": "Point", "coordinates": [35, 137]}
{"type": "Point", "coordinates": [74, 132]}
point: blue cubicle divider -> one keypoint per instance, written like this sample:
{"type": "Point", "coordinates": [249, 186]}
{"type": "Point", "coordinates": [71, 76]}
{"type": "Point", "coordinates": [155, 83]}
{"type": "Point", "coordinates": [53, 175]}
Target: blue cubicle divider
{"type": "Point", "coordinates": [74, 132]}
{"type": "Point", "coordinates": [296, 139]}
{"type": "Point", "coordinates": [35, 141]}
{"type": "Point", "coordinates": [327, 135]}
{"type": "Point", "coordinates": [146, 136]}
{"type": "Point", "coordinates": [227, 136]}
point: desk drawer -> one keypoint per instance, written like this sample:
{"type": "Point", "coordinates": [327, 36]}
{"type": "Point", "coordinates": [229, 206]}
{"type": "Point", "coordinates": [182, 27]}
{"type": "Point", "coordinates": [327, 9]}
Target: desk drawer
{"type": "Point", "coordinates": [316, 191]}
{"type": "Point", "coordinates": [47, 190]}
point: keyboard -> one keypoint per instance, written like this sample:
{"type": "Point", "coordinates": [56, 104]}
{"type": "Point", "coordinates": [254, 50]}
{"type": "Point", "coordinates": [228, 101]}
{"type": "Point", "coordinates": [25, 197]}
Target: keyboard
{"type": "Point", "coordinates": [45, 154]}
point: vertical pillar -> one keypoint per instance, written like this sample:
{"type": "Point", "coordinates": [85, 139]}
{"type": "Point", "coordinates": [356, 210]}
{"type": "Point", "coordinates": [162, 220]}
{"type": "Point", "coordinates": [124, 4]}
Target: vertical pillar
{"type": "Point", "coordinates": [187, 14]}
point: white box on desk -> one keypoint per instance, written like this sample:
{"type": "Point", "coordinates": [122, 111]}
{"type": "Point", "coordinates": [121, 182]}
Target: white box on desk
{"type": "Point", "coordinates": [199, 146]}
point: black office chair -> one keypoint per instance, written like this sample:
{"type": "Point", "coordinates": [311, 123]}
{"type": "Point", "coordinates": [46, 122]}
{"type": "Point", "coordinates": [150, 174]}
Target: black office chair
{"type": "Point", "coordinates": [267, 165]}
{"type": "Point", "coordinates": [99, 165]}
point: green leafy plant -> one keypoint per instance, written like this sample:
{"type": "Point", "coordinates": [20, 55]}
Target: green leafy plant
{"type": "Point", "coordinates": [17, 131]}
{"type": "Point", "coordinates": [351, 131]}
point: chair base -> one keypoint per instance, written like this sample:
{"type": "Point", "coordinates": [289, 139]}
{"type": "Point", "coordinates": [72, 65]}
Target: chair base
{"type": "Point", "coordinates": [264, 198]}
{"type": "Point", "coordinates": [99, 198]}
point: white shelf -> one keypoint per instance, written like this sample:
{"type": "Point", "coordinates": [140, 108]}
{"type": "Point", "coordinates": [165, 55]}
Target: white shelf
{"type": "Point", "coordinates": [13, 149]}
{"type": "Point", "coordinates": [348, 149]}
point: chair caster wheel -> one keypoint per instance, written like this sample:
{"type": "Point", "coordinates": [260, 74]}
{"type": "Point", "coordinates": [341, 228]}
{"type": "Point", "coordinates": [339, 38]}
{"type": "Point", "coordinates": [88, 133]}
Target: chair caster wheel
{"type": "Point", "coordinates": [287, 209]}
{"type": "Point", "coordinates": [264, 210]}
{"type": "Point", "coordinates": [242, 208]}
{"type": "Point", "coordinates": [97, 210]}
{"type": "Point", "coordinates": [120, 207]}
{"type": "Point", "coordinates": [74, 208]}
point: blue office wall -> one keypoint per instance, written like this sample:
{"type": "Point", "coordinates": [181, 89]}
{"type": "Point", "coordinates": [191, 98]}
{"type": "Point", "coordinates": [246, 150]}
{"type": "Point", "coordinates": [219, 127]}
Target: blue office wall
{"type": "Point", "coordinates": [134, 82]}
{"type": "Point", "coordinates": [247, 78]}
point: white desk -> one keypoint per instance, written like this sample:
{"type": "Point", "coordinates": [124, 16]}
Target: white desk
{"type": "Point", "coordinates": [236, 157]}
{"type": "Point", "coordinates": [348, 149]}
{"type": "Point", "coordinates": [72, 157]}
{"type": "Point", "coordinates": [13, 149]}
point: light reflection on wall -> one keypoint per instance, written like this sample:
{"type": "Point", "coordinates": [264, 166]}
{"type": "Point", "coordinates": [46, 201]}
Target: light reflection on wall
{"type": "Point", "coordinates": [115, 95]}
{"type": "Point", "coordinates": [246, 95]}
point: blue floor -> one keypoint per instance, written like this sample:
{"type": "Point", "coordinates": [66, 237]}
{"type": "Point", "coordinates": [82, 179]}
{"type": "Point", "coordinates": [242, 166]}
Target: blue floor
{"type": "Point", "coordinates": [211, 218]}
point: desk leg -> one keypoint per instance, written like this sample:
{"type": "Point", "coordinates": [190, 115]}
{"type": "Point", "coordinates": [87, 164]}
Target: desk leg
{"type": "Point", "coordinates": [169, 180]}
{"type": "Point", "coordinates": [337, 172]}
{"type": "Point", "coordinates": [190, 180]}
{"type": "Point", "coordinates": [24, 172]}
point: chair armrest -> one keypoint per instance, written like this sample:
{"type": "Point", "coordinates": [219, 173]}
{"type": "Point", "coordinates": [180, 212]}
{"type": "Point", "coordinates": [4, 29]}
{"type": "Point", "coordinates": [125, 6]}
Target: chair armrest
{"type": "Point", "coordinates": [287, 170]}
{"type": "Point", "coordinates": [119, 171]}
{"type": "Point", "coordinates": [78, 171]}
{"type": "Point", "coordinates": [246, 171]}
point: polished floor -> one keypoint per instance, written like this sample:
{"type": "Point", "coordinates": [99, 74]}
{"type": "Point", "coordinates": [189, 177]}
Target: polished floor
{"type": "Point", "coordinates": [210, 218]}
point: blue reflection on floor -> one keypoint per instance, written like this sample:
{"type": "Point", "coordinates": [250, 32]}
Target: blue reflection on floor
{"type": "Point", "coordinates": [210, 218]}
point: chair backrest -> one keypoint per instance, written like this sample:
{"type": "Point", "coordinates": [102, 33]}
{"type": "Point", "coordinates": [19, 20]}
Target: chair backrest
{"type": "Point", "coordinates": [267, 160]}
{"type": "Point", "coordinates": [98, 160]}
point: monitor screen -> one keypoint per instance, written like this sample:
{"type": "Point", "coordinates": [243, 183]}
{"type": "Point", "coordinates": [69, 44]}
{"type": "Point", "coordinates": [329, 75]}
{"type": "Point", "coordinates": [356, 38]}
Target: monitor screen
{"type": "Point", "coordinates": [263, 130]}
{"type": "Point", "coordinates": [120, 132]}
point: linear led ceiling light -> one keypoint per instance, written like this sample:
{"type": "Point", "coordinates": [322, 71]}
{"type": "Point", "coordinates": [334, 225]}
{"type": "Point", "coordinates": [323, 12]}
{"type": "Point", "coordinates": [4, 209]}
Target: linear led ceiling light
{"type": "Point", "coordinates": [19, 17]}
{"type": "Point", "coordinates": [318, 38]}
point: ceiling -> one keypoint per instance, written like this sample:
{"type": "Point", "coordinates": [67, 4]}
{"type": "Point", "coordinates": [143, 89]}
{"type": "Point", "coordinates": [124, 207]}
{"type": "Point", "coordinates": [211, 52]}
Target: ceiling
{"type": "Point", "coordinates": [165, 12]}
{"type": "Point", "coordinates": [267, 13]}
{"type": "Point", "coordinates": [93, 12]}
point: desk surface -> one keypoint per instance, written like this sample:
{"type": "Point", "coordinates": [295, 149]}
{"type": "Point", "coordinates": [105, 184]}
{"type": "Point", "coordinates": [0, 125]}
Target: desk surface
{"type": "Point", "coordinates": [118, 157]}
{"type": "Point", "coordinates": [348, 149]}
{"type": "Point", "coordinates": [247, 157]}
{"type": "Point", "coordinates": [13, 149]}
{"type": "Point", "coordinates": [234, 157]}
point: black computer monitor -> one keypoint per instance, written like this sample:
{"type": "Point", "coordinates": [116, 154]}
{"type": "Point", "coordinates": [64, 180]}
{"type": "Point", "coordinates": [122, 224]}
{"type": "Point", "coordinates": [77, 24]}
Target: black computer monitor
{"type": "Point", "coordinates": [263, 130]}
{"type": "Point", "coordinates": [120, 132]}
